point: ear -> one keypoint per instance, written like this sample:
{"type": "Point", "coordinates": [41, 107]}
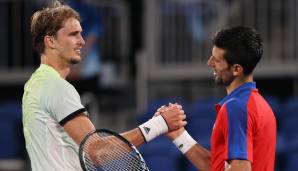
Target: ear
{"type": "Point", "coordinates": [49, 41]}
{"type": "Point", "coordinates": [237, 70]}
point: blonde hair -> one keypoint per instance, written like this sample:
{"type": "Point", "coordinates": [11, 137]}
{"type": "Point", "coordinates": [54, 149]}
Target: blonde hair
{"type": "Point", "coordinates": [48, 21]}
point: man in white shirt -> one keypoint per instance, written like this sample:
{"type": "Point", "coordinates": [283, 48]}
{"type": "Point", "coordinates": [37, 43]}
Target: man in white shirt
{"type": "Point", "coordinates": [55, 121]}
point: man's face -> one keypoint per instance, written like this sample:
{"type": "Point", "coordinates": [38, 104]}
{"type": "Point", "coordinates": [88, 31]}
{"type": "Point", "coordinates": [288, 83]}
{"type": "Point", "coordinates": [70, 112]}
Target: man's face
{"type": "Point", "coordinates": [223, 74]}
{"type": "Point", "coordinates": [70, 42]}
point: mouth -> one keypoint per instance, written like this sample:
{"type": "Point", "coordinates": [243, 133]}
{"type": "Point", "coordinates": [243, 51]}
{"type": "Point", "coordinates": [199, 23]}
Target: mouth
{"type": "Point", "coordinates": [78, 51]}
{"type": "Point", "coordinates": [214, 73]}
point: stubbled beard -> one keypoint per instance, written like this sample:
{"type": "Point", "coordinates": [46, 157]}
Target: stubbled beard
{"type": "Point", "coordinates": [222, 82]}
{"type": "Point", "coordinates": [74, 61]}
{"type": "Point", "coordinates": [229, 78]}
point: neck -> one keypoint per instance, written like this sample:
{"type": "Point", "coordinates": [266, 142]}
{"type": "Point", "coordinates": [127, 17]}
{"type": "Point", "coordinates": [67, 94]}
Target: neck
{"type": "Point", "coordinates": [57, 63]}
{"type": "Point", "coordinates": [238, 82]}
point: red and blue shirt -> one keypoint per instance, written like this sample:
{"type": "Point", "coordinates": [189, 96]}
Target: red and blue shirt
{"type": "Point", "coordinates": [245, 129]}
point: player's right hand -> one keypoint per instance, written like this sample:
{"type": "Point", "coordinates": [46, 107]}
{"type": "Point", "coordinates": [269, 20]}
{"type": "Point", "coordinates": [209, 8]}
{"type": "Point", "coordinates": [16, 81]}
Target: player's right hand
{"type": "Point", "coordinates": [175, 133]}
{"type": "Point", "coordinates": [174, 116]}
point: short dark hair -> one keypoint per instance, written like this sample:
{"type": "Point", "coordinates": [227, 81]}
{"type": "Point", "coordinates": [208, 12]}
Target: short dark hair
{"type": "Point", "coordinates": [242, 45]}
{"type": "Point", "coordinates": [48, 21]}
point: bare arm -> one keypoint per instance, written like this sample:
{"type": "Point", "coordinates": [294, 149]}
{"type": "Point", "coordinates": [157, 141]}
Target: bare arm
{"type": "Point", "coordinates": [135, 137]}
{"type": "Point", "coordinates": [174, 118]}
{"type": "Point", "coordinates": [199, 157]}
{"type": "Point", "coordinates": [237, 165]}
{"type": "Point", "coordinates": [78, 127]}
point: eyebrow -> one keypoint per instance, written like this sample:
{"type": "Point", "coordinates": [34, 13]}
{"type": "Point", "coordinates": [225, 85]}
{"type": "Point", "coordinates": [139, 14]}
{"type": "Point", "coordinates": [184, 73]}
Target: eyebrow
{"type": "Point", "coordinates": [74, 32]}
{"type": "Point", "coordinates": [216, 58]}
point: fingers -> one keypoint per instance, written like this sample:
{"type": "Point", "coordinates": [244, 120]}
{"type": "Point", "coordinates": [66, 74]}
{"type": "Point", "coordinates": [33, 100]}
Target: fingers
{"type": "Point", "coordinates": [175, 119]}
{"type": "Point", "coordinates": [175, 105]}
{"type": "Point", "coordinates": [160, 110]}
{"type": "Point", "coordinates": [182, 124]}
{"type": "Point", "coordinates": [183, 117]}
{"type": "Point", "coordinates": [179, 124]}
{"type": "Point", "coordinates": [165, 108]}
{"type": "Point", "coordinates": [173, 114]}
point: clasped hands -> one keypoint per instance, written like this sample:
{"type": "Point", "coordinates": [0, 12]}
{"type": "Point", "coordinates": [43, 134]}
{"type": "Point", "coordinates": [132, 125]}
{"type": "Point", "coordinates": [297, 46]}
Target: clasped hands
{"type": "Point", "coordinates": [175, 117]}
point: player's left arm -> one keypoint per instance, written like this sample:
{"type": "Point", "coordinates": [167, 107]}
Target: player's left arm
{"type": "Point", "coordinates": [78, 127]}
{"type": "Point", "coordinates": [170, 120]}
{"type": "Point", "coordinates": [239, 165]}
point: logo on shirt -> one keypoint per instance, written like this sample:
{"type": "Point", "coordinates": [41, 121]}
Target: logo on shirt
{"type": "Point", "coordinates": [180, 146]}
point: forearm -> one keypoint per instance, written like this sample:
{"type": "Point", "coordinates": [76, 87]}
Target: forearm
{"type": "Point", "coordinates": [170, 120]}
{"type": "Point", "coordinates": [199, 157]}
{"type": "Point", "coordinates": [237, 165]}
{"type": "Point", "coordinates": [194, 152]}
{"type": "Point", "coordinates": [147, 131]}
{"type": "Point", "coordinates": [134, 136]}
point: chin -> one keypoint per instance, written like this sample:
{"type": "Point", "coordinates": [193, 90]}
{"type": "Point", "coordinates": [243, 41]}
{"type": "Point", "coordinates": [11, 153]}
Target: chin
{"type": "Point", "coordinates": [219, 81]}
{"type": "Point", "coordinates": [75, 61]}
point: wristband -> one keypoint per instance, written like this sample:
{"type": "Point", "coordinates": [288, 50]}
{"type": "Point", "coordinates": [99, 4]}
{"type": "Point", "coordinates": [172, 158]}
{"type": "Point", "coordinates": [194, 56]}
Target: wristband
{"type": "Point", "coordinates": [153, 128]}
{"type": "Point", "coordinates": [184, 142]}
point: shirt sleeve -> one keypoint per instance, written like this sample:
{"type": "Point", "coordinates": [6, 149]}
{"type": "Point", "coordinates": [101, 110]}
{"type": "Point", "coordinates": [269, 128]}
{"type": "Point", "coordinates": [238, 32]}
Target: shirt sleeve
{"type": "Point", "coordinates": [64, 102]}
{"type": "Point", "coordinates": [237, 132]}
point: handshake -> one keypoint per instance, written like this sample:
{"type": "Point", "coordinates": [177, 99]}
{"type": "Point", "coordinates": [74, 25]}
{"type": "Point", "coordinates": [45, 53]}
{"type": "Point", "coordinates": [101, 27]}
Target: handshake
{"type": "Point", "coordinates": [170, 120]}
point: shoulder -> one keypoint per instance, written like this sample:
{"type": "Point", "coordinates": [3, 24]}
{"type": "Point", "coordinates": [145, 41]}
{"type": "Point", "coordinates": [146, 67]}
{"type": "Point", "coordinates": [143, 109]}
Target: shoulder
{"type": "Point", "coordinates": [58, 84]}
{"type": "Point", "coordinates": [236, 106]}
{"type": "Point", "coordinates": [235, 103]}
{"type": "Point", "coordinates": [236, 113]}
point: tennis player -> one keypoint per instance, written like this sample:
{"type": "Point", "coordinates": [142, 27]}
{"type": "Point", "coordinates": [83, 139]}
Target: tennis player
{"type": "Point", "coordinates": [244, 133]}
{"type": "Point", "coordinates": [55, 121]}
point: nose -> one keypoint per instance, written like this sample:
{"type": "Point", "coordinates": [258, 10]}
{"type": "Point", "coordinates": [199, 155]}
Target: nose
{"type": "Point", "coordinates": [82, 41]}
{"type": "Point", "coordinates": [210, 61]}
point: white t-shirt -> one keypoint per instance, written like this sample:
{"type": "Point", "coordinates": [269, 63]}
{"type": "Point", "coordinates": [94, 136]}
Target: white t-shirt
{"type": "Point", "coordinates": [48, 102]}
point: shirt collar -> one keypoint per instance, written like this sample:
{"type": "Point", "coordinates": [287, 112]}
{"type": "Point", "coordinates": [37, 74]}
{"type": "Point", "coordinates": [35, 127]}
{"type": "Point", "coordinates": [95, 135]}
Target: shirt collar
{"type": "Point", "coordinates": [243, 87]}
{"type": "Point", "coordinates": [47, 68]}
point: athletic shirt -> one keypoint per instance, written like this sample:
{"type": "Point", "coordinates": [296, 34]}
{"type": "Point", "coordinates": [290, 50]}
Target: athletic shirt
{"type": "Point", "coordinates": [48, 102]}
{"type": "Point", "coordinates": [245, 129]}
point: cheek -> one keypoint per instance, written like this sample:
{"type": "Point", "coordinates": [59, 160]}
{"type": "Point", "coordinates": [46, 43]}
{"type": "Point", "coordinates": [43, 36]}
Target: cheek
{"type": "Point", "coordinates": [68, 43]}
{"type": "Point", "coordinates": [224, 71]}
{"type": "Point", "coordinates": [65, 45]}
{"type": "Point", "coordinates": [69, 47]}
{"type": "Point", "coordinates": [220, 68]}
{"type": "Point", "coordinates": [228, 76]}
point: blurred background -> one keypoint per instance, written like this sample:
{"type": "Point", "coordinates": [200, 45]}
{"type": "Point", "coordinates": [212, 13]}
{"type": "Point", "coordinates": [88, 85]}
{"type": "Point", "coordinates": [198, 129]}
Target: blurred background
{"type": "Point", "coordinates": [141, 54]}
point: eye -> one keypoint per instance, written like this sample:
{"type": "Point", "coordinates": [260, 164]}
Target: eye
{"type": "Point", "coordinates": [216, 60]}
{"type": "Point", "coordinates": [74, 33]}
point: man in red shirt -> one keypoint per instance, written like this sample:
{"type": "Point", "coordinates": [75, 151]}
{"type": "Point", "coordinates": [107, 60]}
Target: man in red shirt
{"type": "Point", "coordinates": [244, 133]}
